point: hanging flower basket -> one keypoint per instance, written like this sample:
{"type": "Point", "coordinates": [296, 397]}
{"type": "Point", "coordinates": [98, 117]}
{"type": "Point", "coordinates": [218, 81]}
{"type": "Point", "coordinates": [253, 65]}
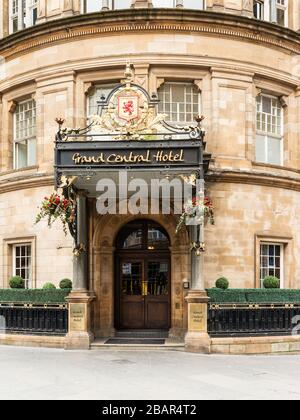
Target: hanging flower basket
{"type": "Point", "coordinates": [57, 207]}
{"type": "Point", "coordinates": [196, 212]}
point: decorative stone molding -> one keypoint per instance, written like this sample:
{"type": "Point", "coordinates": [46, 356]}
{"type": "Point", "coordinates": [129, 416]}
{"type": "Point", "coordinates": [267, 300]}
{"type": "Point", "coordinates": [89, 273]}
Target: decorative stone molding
{"type": "Point", "coordinates": [12, 106]}
{"type": "Point", "coordinates": [199, 84]}
{"type": "Point", "coordinates": [247, 8]}
{"type": "Point", "coordinates": [159, 82]}
{"type": "Point", "coordinates": [89, 89]}
{"type": "Point", "coordinates": [203, 22]}
{"type": "Point", "coordinates": [284, 101]}
{"type": "Point", "coordinates": [141, 75]}
{"type": "Point", "coordinates": [263, 179]}
{"type": "Point", "coordinates": [257, 91]}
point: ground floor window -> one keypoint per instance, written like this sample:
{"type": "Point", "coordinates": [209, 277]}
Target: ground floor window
{"type": "Point", "coordinates": [271, 261]}
{"type": "Point", "coordinates": [22, 263]}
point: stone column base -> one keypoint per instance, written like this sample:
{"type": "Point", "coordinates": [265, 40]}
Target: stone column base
{"type": "Point", "coordinates": [196, 342]}
{"type": "Point", "coordinates": [197, 339]}
{"type": "Point", "coordinates": [80, 335]}
{"type": "Point", "coordinates": [78, 341]}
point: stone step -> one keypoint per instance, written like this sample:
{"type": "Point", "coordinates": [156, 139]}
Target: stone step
{"type": "Point", "coordinates": [142, 334]}
{"type": "Point", "coordinates": [169, 346]}
{"type": "Point", "coordinates": [139, 341]}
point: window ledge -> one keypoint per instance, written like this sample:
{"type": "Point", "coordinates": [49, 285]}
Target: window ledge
{"type": "Point", "coordinates": [272, 166]}
{"type": "Point", "coordinates": [18, 171]}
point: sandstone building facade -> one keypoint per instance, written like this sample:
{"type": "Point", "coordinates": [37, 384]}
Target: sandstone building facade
{"type": "Point", "coordinates": [236, 62]}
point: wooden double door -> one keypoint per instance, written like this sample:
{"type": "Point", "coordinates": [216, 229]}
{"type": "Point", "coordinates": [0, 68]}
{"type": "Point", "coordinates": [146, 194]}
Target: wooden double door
{"type": "Point", "coordinates": [143, 291]}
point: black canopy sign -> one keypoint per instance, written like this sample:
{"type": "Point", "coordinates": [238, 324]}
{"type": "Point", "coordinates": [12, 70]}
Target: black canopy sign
{"type": "Point", "coordinates": [74, 156]}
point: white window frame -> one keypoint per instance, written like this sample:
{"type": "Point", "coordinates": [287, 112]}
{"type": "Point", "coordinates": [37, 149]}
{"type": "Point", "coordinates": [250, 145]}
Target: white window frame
{"type": "Point", "coordinates": [283, 7]}
{"type": "Point", "coordinates": [31, 6]}
{"type": "Point", "coordinates": [98, 86]}
{"type": "Point", "coordinates": [282, 247]}
{"type": "Point", "coordinates": [178, 111]}
{"type": "Point", "coordinates": [29, 280]}
{"type": "Point", "coordinates": [24, 14]}
{"type": "Point", "coordinates": [267, 136]}
{"type": "Point", "coordinates": [26, 140]}
{"type": "Point", "coordinates": [271, 7]}
{"type": "Point", "coordinates": [262, 5]}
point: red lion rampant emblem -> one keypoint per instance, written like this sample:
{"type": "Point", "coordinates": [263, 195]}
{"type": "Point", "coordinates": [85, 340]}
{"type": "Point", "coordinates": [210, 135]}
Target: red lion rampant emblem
{"type": "Point", "coordinates": [128, 108]}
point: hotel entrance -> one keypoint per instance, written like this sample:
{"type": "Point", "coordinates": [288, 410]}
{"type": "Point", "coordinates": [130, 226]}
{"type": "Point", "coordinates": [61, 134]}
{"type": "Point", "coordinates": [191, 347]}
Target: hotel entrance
{"type": "Point", "coordinates": [143, 277]}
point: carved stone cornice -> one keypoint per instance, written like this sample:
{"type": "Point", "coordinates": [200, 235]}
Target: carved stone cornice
{"type": "Point", "coordinates": [147, 20]}
{"type": "Point", "coordinates": [254, 178]}
{"type": "Point", "coordinates": [24, 183]}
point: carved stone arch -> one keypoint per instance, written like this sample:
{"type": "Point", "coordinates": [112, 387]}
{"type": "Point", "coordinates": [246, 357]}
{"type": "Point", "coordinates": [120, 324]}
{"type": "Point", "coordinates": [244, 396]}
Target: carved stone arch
{"type": "Point", "coordinates": [109, 226]}
{"type": "Point", "coordinates": [102, 266]}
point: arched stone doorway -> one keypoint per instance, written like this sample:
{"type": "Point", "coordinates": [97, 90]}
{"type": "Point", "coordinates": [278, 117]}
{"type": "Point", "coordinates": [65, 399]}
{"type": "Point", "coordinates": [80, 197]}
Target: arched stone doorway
{"type": "Point", "coordinates": [142, 277]}
{"type": "Point", "coordinates": [103, 270]}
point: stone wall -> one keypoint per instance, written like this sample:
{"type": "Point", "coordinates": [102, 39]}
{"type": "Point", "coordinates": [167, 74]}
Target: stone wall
{"type": "Point", "coordinates": [52, 251]}
{"type": "Point", "coordinates": [230, 67]}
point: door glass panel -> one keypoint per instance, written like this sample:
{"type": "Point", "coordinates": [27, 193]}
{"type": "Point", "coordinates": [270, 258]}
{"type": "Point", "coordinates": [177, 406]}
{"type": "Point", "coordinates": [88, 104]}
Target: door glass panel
{"type": "Point", "coordinates": [157, 239]}
{"type": "Point", "coordinates": [158, 278]}
{"type": "Point", "coordinates": [134, 240]}
{"type": "Point", "coordinates": [132, 278]}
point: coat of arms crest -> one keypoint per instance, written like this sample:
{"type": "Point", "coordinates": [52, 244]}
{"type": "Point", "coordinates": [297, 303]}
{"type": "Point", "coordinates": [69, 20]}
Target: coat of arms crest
{"type": "Point", "coordinates": [128, 107]}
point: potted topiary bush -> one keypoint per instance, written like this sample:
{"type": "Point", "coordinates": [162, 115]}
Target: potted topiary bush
{"type": "Point", "coordinates": [49, 286]}
{"type": "Point", "coordinates": [17, 282]}
{"type": "Point", "coordinates": [66, 284]}
{"type": "Point", "coordinates": [222, 283]}
{"type": "Point", "coordinates": [271, 282]}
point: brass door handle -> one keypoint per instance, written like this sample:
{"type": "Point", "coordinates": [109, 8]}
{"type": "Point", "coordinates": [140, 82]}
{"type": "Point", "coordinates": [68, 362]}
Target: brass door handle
{"type": "Point", "coordinates": [144, 288]}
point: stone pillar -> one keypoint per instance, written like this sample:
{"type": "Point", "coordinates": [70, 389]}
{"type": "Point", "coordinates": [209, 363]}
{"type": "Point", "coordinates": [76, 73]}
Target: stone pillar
{"type": "Point", "coordinates": [80, 299]}
{"type": "Point", "coordinates": [142, 4]}
{"type": "Point", "coordinates": [197, 339]}
{"type": "Point", "coordinates": [5, 19]}
{"type": "Point", "coordinates": [42, 12]}
{"type": "Point", "coordinates": [247, 8]}
{"type": "Point", "coordinates": [141, 75]}
{"type": "Point", "coordinates": [68, 8]}
{"type": "Point", "coordinates": [215, 5]}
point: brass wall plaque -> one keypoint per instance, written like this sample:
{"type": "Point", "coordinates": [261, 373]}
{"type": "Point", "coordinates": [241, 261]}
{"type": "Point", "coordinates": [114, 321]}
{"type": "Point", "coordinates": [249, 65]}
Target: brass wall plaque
{"type": "Point", "coordinates": [77, 317]}
{"type": "Point", "coordinates": [197, 317]}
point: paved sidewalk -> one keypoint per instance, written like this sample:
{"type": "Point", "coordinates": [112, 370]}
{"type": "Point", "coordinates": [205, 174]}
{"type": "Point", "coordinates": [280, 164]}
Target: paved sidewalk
{"type": "Point", "coordinates": [103, 374]}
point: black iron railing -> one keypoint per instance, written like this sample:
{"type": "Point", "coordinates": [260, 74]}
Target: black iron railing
{"type": "Point", "coordinates": [34, 319]}
{"type": "Point", "coordinates": [229, 320]}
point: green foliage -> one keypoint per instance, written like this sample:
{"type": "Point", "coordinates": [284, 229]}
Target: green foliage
{"type": "Point", "coordinates": [66, 284]}
{"type": "Point", "coordinates": [35, 296]}
{"type": "Point", "coordinates": [227, 296]}
{"type": "Point", "coordinates": [17, 283]}
{"type": "Point", "coordinates": [222, 283]}
{"type": "Point", "coordinates": [253, 296]}
{"type": "Point", "coordinates": [49, 286]}
{"type": "Point", "coordinates": [271, 282]}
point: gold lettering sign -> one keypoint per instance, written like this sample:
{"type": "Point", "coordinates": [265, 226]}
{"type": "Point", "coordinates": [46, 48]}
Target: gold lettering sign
{"type": "Point", "coordinates": [77, 317]}
{"type": "Point", "coordinates": [159, 156]}
{"type": "Point", "coordinates": [197, 317]}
